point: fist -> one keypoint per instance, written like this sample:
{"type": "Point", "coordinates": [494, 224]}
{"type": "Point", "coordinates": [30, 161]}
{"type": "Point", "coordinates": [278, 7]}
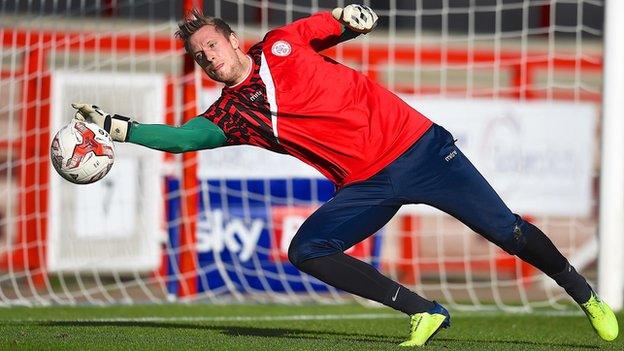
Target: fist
{"type": "Point", "coordinates": [358, 18]}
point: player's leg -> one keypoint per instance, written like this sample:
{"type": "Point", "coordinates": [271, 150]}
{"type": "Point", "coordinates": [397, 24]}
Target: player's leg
{"type": "Point", "coordinates": [451, 183]}
{"type": "Point", "coordinates": [352, 215]}
{"type": "Point", "coordinates": [355, 213]}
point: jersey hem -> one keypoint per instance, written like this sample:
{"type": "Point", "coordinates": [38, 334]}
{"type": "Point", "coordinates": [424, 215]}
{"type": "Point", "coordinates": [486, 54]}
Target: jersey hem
{"type": "Point", "coordinates": [384, 162]}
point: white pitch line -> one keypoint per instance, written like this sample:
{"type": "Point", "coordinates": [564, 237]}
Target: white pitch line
{"type": "Point", "coordinates": [299, 317]}
{"type": "Point", "coordinates": [498, 313]}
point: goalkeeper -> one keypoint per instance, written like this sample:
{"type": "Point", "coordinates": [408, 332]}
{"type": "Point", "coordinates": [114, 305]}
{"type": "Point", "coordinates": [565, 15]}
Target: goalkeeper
{"type": "Point", "coordinates": [284, 96]}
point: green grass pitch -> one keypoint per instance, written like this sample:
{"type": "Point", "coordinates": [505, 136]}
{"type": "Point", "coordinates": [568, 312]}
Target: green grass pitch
{"type": "Point", "coordinates": [277, 327]}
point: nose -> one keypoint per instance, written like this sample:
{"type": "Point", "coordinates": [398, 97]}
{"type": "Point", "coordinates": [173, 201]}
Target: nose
{"type": "Point", "coordinates": [210, 56]}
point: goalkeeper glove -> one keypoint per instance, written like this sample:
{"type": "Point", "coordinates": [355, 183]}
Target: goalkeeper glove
{"type": "Point", "coordinates": [358, 18]}
{"type": "Point", "coordinates": [117, 126]}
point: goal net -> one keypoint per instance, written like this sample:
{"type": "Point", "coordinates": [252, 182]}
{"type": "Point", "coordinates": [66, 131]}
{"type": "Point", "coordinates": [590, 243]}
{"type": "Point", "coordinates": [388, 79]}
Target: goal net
{"type": "Point", "coordinates": [517, 82]}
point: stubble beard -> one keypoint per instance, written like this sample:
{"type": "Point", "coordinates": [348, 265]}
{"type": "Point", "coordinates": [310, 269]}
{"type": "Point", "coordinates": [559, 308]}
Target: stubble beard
{"type": "Point", "coordinates": [228, 77]}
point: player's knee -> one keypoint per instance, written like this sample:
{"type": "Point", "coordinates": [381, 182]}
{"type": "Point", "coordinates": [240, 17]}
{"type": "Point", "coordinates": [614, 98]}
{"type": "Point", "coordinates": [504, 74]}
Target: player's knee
{"type": "Point", "coordinates": [295, 254]}
{"type": "Point", "coordinates": [515, 241]}
{"type": "Point", "coordinates": [302, 249]}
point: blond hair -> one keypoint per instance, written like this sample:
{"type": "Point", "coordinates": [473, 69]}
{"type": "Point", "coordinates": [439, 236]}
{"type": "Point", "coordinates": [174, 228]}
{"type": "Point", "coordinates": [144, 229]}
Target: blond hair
{"type": "Point", "coordinates": [196, 20]}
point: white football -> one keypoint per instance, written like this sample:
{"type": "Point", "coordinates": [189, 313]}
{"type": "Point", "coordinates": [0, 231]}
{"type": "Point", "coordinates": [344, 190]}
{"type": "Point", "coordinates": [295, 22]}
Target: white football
{"type": "Point", "coordinates": [82, 152]}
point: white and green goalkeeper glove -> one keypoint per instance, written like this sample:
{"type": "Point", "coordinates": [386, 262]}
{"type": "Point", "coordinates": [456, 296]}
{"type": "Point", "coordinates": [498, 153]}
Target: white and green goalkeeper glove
{"type": "Point", "coordinates": [358, 18]}
{"type": "Point", "coordinates": [117, 126]}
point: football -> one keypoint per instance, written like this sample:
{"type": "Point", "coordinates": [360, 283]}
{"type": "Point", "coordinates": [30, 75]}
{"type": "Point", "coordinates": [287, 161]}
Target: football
{"type": "Point", "coordinates": [82, 152]}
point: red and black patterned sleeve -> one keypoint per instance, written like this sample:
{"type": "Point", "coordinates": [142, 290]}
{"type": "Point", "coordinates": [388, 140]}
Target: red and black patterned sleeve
{"type": "Point", "coordinates": [219, 117]}
{"type": "Point", "coordinates": [242, 122]}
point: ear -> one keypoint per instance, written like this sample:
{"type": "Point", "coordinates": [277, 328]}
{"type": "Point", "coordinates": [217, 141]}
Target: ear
{"type": "Point", "coordinates": [234, 41]}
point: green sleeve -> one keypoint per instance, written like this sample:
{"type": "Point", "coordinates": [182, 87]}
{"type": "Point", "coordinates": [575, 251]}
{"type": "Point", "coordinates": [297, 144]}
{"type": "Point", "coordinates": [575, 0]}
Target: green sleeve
{"type": "Point", "coordinates": [197, 134]}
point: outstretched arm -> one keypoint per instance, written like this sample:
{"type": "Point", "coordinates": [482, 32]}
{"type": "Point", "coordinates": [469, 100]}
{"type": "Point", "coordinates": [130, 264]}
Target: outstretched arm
{"type": "Point", "coordinates": [197, 134]}
{"type": "Point", "coordinates": [324, 29]}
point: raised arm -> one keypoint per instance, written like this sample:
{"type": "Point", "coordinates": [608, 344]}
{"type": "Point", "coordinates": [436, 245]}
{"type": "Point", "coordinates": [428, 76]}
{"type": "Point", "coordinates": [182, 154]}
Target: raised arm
{"type": "Point", "coordinates": [197, 134]}
{"type": "Point", "coordinates": [326, 29]}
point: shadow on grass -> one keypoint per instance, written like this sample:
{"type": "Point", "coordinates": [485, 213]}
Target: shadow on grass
{"type": "Point", "coordinates": [300, 333]}
{"type": "Point", "coordinates": [233, 330]}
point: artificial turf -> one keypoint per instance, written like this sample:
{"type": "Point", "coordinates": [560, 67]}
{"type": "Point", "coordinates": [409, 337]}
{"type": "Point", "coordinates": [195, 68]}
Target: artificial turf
{"type": "Point", "coordinates": [278, 327]}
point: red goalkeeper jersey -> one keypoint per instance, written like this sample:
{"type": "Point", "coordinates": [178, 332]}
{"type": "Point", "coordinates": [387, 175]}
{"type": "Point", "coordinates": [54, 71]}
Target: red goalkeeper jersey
{"type": "Point", "coordinates": [299, 102]}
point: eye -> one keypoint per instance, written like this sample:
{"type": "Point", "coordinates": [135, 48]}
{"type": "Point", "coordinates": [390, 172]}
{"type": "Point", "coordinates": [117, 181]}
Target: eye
{"type": "Point", "coordinates": [212, 45]}
{"type": "Point", "coordinates": [200, 58]}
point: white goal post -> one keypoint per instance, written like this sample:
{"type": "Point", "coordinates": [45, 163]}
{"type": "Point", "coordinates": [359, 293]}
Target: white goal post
{"type": "Point", "coordinates": [611, 256]}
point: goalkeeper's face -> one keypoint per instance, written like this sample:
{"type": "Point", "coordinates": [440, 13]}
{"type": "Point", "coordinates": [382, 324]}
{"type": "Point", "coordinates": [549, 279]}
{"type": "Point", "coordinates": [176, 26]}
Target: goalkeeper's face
{"type": "Point", "coordinates": [219, 56]}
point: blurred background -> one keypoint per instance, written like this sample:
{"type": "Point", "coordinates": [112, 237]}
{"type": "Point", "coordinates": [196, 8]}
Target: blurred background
{"type": "Point", "coordinates": [518, 82]}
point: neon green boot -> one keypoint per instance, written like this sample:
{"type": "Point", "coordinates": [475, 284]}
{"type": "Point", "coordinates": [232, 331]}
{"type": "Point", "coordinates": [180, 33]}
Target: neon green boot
{"type": "Point", "coordinates": [601, 317]}
{"type": "Point", "coordinates": [423, 326]}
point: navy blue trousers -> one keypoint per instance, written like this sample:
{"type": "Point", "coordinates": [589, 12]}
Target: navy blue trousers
{"type": "Point", "coordinates": [434, 172]}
